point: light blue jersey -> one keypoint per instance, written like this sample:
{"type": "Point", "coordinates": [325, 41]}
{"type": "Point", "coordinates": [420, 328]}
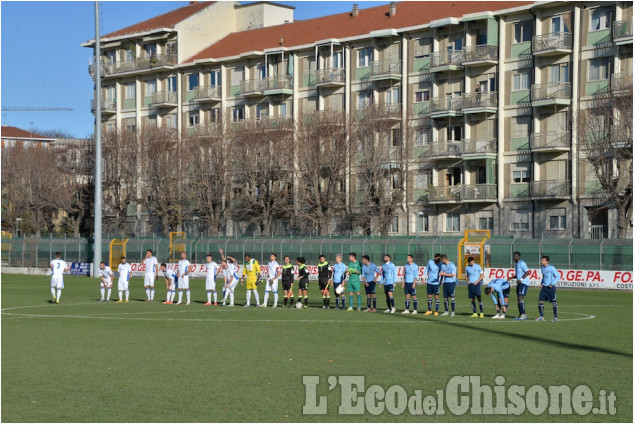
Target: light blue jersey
{"type": "Point", "coordinates": [432, 270]}
{"type": "Point", "coordinates": [550, 275]}
{"type": "Point", "coordinates": [449, 268]}
{"type": "Point", "coordinates": [369, 272]}
{"type": "Point", "coordinates": [388, 273]}
{"type": "Point", "coordinates": [410, 272]}
{"type": "Point", "coordinates": [498, 286]}
{"type": "Point", "coordinates": [473, 273]}
{"type": "Point", "coordinates": [520, 269]}
{"type": "Point", "coordinates": [339, 272]}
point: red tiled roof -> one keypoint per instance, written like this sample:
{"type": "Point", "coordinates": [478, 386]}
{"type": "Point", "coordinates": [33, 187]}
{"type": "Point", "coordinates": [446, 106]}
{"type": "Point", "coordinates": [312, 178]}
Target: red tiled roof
{"type": "Point", "coordinates": [410, 13]}
{"type": "Point", "coordinates": [15, 132]}
{"type": "Point", "coordinates": [167, 20]}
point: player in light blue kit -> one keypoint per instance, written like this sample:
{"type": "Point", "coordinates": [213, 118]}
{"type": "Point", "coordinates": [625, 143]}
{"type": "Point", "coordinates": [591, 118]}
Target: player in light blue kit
{"type": "Point", "coordinates": [432, 272]}
{"type": "Point", "coordinates": [498, 289]}
{"type": "Point", "coordinates": [474, 275]}
{"type": "Point", "coordinates": [522, 271]}
{"type": "Point", "coordinates": [448, 273]}
{"type": "Point", "coordinates": [388, 279]}
{"type": "Point", "coordinates": [409, 284]}
{"type": "Point", "coordinates": [369, 277]}
{"type": "Point", "coordinates": [339, 274]}
{"type": "Point", "coordinates": [550, 278]}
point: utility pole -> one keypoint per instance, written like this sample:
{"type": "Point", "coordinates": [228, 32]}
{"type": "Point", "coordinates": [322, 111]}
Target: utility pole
{"type": "Point", "coordinates": [97, 227]}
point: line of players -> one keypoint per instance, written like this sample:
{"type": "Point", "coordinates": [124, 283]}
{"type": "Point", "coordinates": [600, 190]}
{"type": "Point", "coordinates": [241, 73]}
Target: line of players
{"type": "Point", "coordinates": [439, 271]}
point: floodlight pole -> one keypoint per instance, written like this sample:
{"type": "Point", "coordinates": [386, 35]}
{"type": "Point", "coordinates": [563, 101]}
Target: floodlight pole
{"type": "Point", "coordinates": [98, 226]}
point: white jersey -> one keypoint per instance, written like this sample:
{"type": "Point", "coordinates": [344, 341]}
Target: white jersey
{"type": "Point", "coordinates": [184, 266]}
{"type": "Point", "coordinates": [151, 265]}
{"type": "Point", "coordinates": [230, 272]}
{"type": "Point", "coordinates": [58, 266]}
{"type": "Point", "coordinates": [124, 270]}
{"type": "Point", "coordinates": [272, 269]}
{"type": "Point", "coordinates": [106, 273]}
{"type": "Point", "coordinates": [212, 270]}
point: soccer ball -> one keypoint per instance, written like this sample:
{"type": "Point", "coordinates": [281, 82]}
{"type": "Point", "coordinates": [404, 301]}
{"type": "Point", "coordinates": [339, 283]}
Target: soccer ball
{"type": "Point", "coordinates": [298, 305]}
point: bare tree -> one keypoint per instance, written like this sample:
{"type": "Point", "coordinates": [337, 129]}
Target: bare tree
{"type": "Point", "coordinates": [262, 172]}
{"type": "Point", "coordinates": [322, 157]}
{"type": "Point", "coordinates": [605, 130]}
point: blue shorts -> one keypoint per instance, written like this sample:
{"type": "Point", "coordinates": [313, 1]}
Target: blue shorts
{"type": "Point", "coordinates": [521, 289]}
{"type": "Point", "coordinates": [433, 289]}
{"type": "Point", "coordinates": [389, 287]}
{"type": "Point", "coordinates": [473, 291]}
{"type": "Point", "coordinates": [448, 289]}
{"type": "Point", "coordinates": [547, 294]}
{"type": "Point", "coordinates": [370, 289]}
{"type": "Point", "coordinates": [408, 290]}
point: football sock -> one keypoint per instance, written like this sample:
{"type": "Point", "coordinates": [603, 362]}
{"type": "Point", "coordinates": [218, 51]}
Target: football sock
{"type": "Point", "coordinates": [480, 306]}
{"type": "Point", "coordinates": [53, 291]}
{"type": "Point", "coordinates": [555, 309]}
{"type": "Point", "coordinates": [521, 306]}
{"type": "Point", "coordinates": [231, 297]}
{"type": "Point", "coordinates": [436, 304]}
{"type": "Point", "coordinates": [152, 293]}
{"type": "Point", "coordinates": [392, 302]}
{"type": "Point", "coordinates": [103, 292]}
{"type": "Point", "coordinates": [59, 294]}
{"type": "Point", "coordinates": [215, 297]}
{"type": "Point", "coordinates": [120, 295]}
{"type": "Point", "coordinates": [209, 296]}
{"type": "Point", "coordinates": [387, 301]}
{"type": "Point", "coordinates": [374, 303]}
{"type": "Point", "coordinates": [350, 301]}
{"type": "Point", "coordinates": [359, 301]}
{"type": "Point", "coordinates": [291, 300]}
{"type": "Point", "coordinates": [180, 295]}
{"type": "Point", "coordinates": [407, 303]}
{"type": "Point", "coordinates": [285, 301]}
{"type": "Point", "coordinates": [275, 299]}
{"type": "Point", "coordinates": [445, 304]}
{"type": "Point", "coordinates": [108, 293]}
{"type": "Point", "coordinates": [473, 306]}
{"type": "Point", "coordinates": [541, 309]}
{"type": "Point", "coordinates": [343, 301]}
{"type": "Point", "coordinates": [429, 304]}
{"type": "Point", "coordinates": [368, 302]}
{"type": "Point", "coordinates": [257, 297]}
{"type": "Point", "coordinates": [148, 292]}
{"type": "Point", "coordinates": [306, 300]}
{"type": "Point", "coordinates": [328, 301]}
{"type": "Point", "coordinates": [168, 295]}
{"type": "Point", "coordinates": [324, 300]}
{"type": "Point", "coordinates": [453, 304]}
{"type": "Point", "coordinates": [337, 302]}
{"type": "Point", "coordinates": [248, 297]}
{"type": "Point", "coordinates": [416, 304]}
{"type": "Point", "coordinates": [187, 293]}
{"type": "Point", "coordinates": [172, 295]}
{"type": "Point", "coordinates": [265, 298]}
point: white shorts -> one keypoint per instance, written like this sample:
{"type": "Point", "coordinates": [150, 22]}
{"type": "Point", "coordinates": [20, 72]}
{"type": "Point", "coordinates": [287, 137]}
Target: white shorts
{"type": "Point", "coordinates": [184, 282]}
{"type": "Point", "coordinates": [272, 285]}
{"type": "Point", "coordinates": [171, 285]}
{"type": "Point", "coordinates": [57, 281]}
{"type": "Point", "coordinates": [122, 285]}
{"type": "Point", "coordinates": [210, 284]}
{"type": "Point", "coordinates": [105, 284]}
{"type": "Point", "coordinates": [148, 280]}
{"type": "Point", "coordinates": [231, 285]}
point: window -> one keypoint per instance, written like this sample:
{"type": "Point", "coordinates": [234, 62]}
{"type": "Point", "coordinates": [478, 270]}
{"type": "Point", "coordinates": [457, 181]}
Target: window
{"type": "Point", "coordinates": [193, 119]}
{"type": "Point", "coordinates": [170, 120]}
{"type": "Point", "coordinates": [130, 125]}
{"type": "Point", "coordinates": [151, 87]}
{"type": "Point", "coordinates": [453, 133]}
{"type": "Point", "coordinates": [151, 50]}
{"type": "Point", "coordinates": [599, 69]}
{"type": "Point", "coordinates": [422, 137]}
{"type": "Point", "coordinates": [262, 110]}
{"type": "Point", "coordinates": [423, 47]}
{"type": "Point", "coordinates": [481, 36]}
{"type": "Point", "coordinates": [214, 78]}
{"type": "Point", "coordinates": [392, 96]}
{"type": "Point", "coordinates": [283, 110]}
{"type": "Point", "coordinates": [456, 45]}
{"type": "Point", "coordinates": [172, 84]}
{"type": "Point", "coordinates": [422, 222]}
{"type": "Point", "coordinates": [522, 80]}
{"type": "Point", "coordinates": [110, 127]}
{"type": "Point", "coordinates": [394, 225]}
{"type": "Point", "coordinates": [130, 55]}
{"type": "Point", "coordinates": [364, 57]}
{"type": "Point", "coordinates": [395, 137]}
{"type": "Point", "coordinates": [521, 126]}
{"type": "Point", "coordinates": [523, 31]}
{"type": "Point", "coordinates": [238, 113]}
{"type": "Point", "coordinates": [421, 181]}
{"type": "Point", "coordinates": [422, 96]}
{"type": "Point", "coordinates": [111, 56]}
{"type": "Point", "coordinates": [560, 24]}
{"type": "Point", "coordinates": [363, 99]}
{"type": "Point", "coordinates": [557, 219]}
{"type": "Point", "coordinates": [486, 222]}
{"type": "Point", "coordinates": [600, 19]}
{"type": "Point", "coordinates": [338, 60]}
{"type": "Point", "coordinates": [521, 176]}
{"type": "Point", "coordinates": [558, 73]}
{"type": "Point", "coordinates": [110, 92]}
{"type": "Point", "coordinates": [520, 219]}
{"type": "Point", "coordinates": [192, 81]}
{"type": "Point", "coordinates": [151, 121]}
{"type": "Point", "coordinates": [452, 222]}
{"type": "Point", "coordinates": [237, 75]}
{"type": "Point", "coordinates": [131, 90]}
{"type": "Point", "coordinates": [394, 181]}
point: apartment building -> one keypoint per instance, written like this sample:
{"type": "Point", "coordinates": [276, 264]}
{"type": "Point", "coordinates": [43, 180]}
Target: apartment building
{"type": "Point", "coordinates": [479, 97]}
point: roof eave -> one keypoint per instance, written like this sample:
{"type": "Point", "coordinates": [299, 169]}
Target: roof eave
{"type": "Point", "coordinates": [91, 43]}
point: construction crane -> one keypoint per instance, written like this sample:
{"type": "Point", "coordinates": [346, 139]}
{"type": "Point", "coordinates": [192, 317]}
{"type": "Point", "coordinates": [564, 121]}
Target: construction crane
{"type": "Point", "coordinates": [33, 108]}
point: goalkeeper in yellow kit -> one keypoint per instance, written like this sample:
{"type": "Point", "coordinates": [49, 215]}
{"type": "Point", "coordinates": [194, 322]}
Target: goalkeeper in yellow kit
{"type": "Point", "coordinates": [251, 274]}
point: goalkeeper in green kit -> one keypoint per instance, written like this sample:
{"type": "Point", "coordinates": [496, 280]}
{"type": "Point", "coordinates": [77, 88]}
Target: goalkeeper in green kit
{"type": "Point", "coordinates": [354, 270]}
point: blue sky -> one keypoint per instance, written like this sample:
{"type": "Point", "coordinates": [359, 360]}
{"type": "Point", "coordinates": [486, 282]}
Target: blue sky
{"type": "Point", "coordinates": [43, 64]}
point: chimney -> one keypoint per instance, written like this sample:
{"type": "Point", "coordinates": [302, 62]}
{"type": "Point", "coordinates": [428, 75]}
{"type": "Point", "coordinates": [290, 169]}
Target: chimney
{"type": "Point", "coordinates": [392, 11]}
{"type": "Point", "coordinates": [193, 2]}
{"type": "Point", "coordinates": [355, 11]}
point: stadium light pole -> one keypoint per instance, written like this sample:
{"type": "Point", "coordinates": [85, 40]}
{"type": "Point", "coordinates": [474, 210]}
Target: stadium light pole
{"type": "Point", "coordinates": [97, 227]}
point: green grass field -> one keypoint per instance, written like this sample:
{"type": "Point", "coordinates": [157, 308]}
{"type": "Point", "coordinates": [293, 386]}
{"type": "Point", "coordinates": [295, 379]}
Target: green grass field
{"type": "Point", "coordinates": [84, 361]}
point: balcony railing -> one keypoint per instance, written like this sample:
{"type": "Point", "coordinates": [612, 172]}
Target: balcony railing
{"type": "Point", "coordinates": [550, 140]}
{"type": "Point", "coordinates": [444, 193]}
{"type": "Point", "coordinates": [277, 82]}
{"type": "Point", "coordinates": [207, 93]}
{"type": "Point", "coordinates": [107, 68]}
{"type": "Point", "coordinates": [483, 53]}
{"type": "Point", "coordinates": [444, 149]}
{"type": "Point", "coordinates": [479, 146]}
{"type": "Point", "coordinates": [478, 192]}
{"type": "Point", "coordinates": [488, 99]}
{"type": "Point", "coordinates": [134, 64]}
{"type": "Point", "coordinates": [154, 61]}
{"type": "Point", "coordinates": [107, 105]}
{"type": "Point", "coordinates": [446, 104]}
{"type": "Point", "coordinates": [387, 110]}
{"type": "Point", "coordinates": [164, 98]}
{"type": "Point", "coordinates": [552, 42]}
{"type": "Point", "coordinates": [251, 87]}
{"type": "Point", "coordinates": [385, 68]}
{"type": "Point", "coordinates": [550, 189]}
{"type": "Point", "coordinates": [622, 81]}
{"type": "Point", "coordinates": [334, 76]}
{"type": "Point", "coordinates": [547, 91]}
{"type": "Point", "coordinates": [446, 58]}
{"type": "Point", "coordinates": [622, 29]}
{"type": "Point", "coordinates": [621, 136]}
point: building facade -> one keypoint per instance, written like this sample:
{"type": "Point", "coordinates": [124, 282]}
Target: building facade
{"type": "Point", "coordinates": [479, 99]}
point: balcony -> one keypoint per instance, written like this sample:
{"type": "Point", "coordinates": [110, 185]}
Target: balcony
{"type": "Point", "coordinates": [278, 84]}
{"type": "Point", "coordinates": [478, 148]}
{"type": "Point", "coordinates": [277, 123]}
{"type": "Point", "coordinates": [548, 94]}
{"type": "Point", "coordinates": [480, 102]}
{"type": "Point", "coordinates": [107, 69]}
{"type": "Point", "coordinates": [623, 32]}
{"type": "Point", "coordinates": [331, 77]}
{"type": "Point", "coordinates": [136, 65]}
{"type": "Point", "coordinates": [446, 106]}
{"type": "Point", "coordinates": [164, 99]}
{"type": "Point", "coordinates": [446, 61]}
{"type": "Point", "coordinates": [251, 88]}
{"type": "Point", "coordinates": [478, 193]}
{"type": "Point", "coordinates": [480, 55]}
{"type": "Point", "coordinates": [557, 43]}
{"type": "Point", "coordinates": [108, 106]}
{"type": "Point", "coordinates": [204, 94]}
{"type": "Point", "coordinates": [621, 136]}
{"type": "Point", "coordinates": [385, 70]}
{"type": "Point", "coordinates": [443, 150]}
{"type": "Point", "coordinates": [444, 194]}
{"type": "Point", "coordinates": [550, 189]}
{"type": "Point", "coordinates": [550, 141]}
{"type": "Point", "coordinates": [387, 111]}
{"type": "Point", "coordinates": [622, 84]}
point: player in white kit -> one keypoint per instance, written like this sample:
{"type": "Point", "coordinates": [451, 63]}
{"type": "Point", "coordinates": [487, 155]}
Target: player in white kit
{"type": "Point", "coordinates": [183, 270]}
{"type": "Point", "coordinates": [170, 277]}
{"type": "Point", "coordinates": [272, 281]}
{"type": "Point", "coordinates": [125, 271]}
{"type": "Point", "coordinates": [58, 267]}
{"type": "Point", "coordinates": [230, 266]}
{"type": "Point", "coordinates": [152, 272]}
{"type": "Point", "coordinates": [106, 280]}
{"type": "Point", "coordinates": [210, 280]}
